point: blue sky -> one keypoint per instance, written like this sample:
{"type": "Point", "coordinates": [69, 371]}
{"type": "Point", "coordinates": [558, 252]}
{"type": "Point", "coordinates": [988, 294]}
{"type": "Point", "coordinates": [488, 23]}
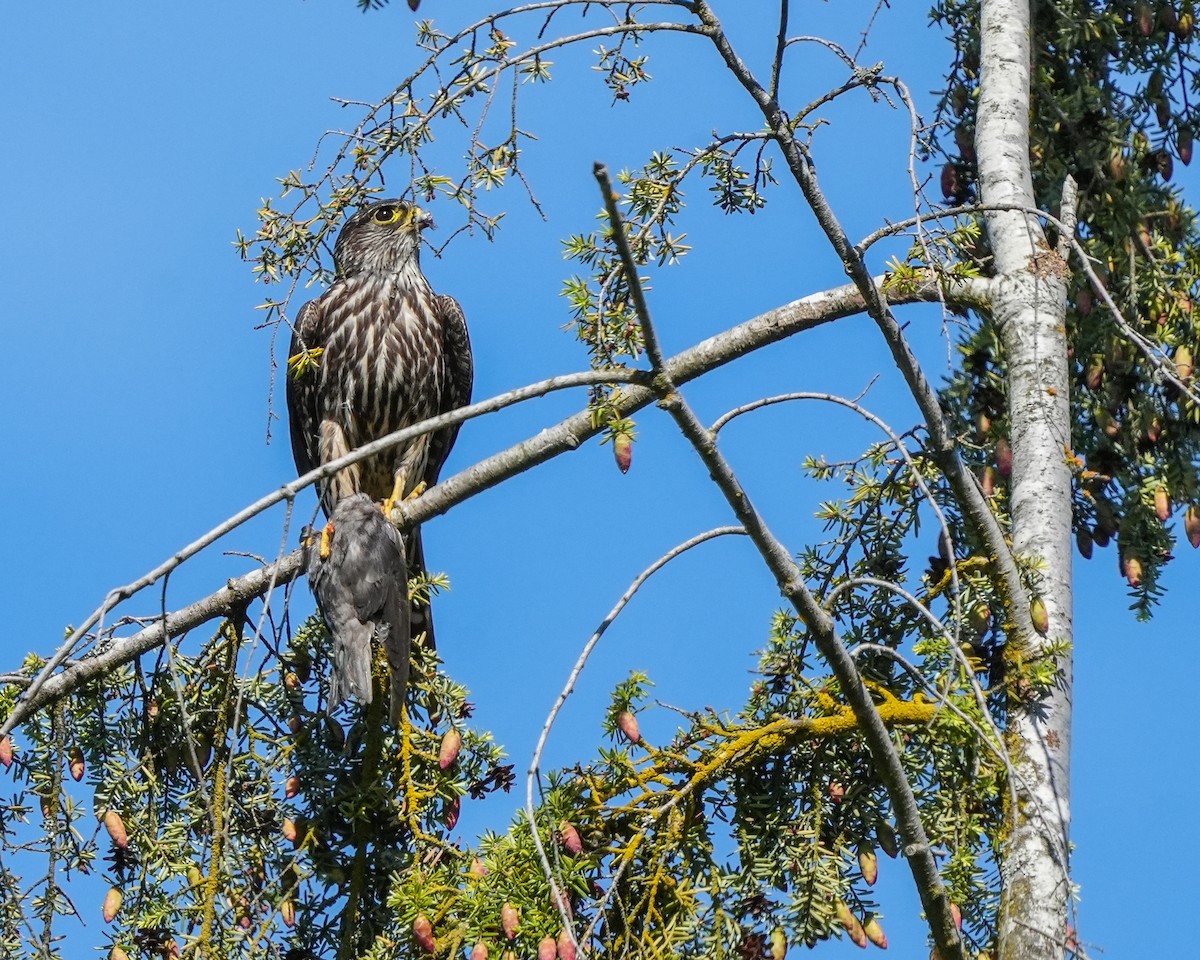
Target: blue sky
{"type": "Point", "coordinates": [141, 136]}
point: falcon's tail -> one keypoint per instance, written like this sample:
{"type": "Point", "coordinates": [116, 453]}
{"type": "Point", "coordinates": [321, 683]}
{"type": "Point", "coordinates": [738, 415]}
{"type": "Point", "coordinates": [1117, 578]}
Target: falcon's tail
{"type": "Point", "coordinates": [420, 614]}
{"type": "Point", "coordinates": [394, 633]}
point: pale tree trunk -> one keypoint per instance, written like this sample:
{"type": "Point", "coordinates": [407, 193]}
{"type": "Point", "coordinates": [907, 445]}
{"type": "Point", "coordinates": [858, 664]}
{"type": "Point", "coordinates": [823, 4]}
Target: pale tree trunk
{"type": "Point", "coordinates": [1029, 301]}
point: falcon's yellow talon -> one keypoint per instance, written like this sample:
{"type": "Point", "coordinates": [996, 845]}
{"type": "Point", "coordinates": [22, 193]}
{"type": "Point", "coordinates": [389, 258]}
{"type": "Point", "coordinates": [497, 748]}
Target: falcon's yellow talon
{"type": "Point", "coordinates": [419, 489]}
{"type": "Point", "coordinates": [327, 541]}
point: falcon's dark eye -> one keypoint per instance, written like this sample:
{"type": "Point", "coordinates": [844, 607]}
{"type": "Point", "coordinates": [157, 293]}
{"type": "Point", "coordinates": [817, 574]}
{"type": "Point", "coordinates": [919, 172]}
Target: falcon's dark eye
{"type": "Point", "coordinates": [389, 215]}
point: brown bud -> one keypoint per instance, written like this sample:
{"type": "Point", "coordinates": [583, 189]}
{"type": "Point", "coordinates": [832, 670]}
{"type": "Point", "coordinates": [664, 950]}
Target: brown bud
{"type": "Point", "coordinates": [6, 752]}
{"type": "Point", "coordinates": [569, 837]}
{"type": "Point", "coordinates": [291, 832]}
{"type": "Point", "coordinates": [1004, 457]}
{"type": "Point", "coordinates": [302, 664]}
{"type": "Point", "coordinates": [1116, 165]}
{"type": "Point", "coordinates": [1106, 520]}
{"type": "Point", "coordinates": [477, 870]}
{"type": "Point", "coordinates": [837, 793]}
{"type": "Point", "coordinates": [479, 951]}
{"type": "Point", "coordinates": [1162, 504]}
{"type": "Point", "coordinates": [1133, 570]}
{"type": "Point", "coordinates": [1185, 26]}
{"type": "Point", "coordinates": [988, 482]}
{"type": "Point", "coordinates": [875, 932]}
{"type": "Point", "coordinates": [1183, 363]}
{"type": "Point", "coordinates": [295, 724]}
{"type": "Point", "coordinates": [423, 934]}
{"type": "Point", "coordinates": [1163, 161]}
{"type": "Point", "coordinates": [868, 863]}
{"type": "Point", "coordinates": [1083, 302]}
{"type": "Point", "coordinates": [547, 949]}
{"type": "Point", "coordinates": [291, 680]}
{"type": "Point", "coordinates": [75, 764]}
{"type": "Point", "coordinates": [116, 829]}
{"type": "Point", "coordinates": [628, 725]}
{"type": "Point", "coordinates": [112, 904]}
{"type": "Point", "coordinates": [964, 139]}
{"type": "Point", "coordinates": [951, 185]}
{"type": "Point", "coordinates": [959, 99]}
{"type": "Point", "coordinates": [117, 953]}
{"type": "Point", "coordinates": [1143, 16]}
{"type": "Point", "coordinates": [510, 921]}
{"type": "Point", "coordinates": [1183, 145]}
{"type": "Point", "coordinates": [566, 946]}
{"type": "Point", "coordinates": [450, 748]}
{"type": "Point", "coordinates": [1083, 540]}
{"type": "Point", "coordinates": [292, 787]}
{"type": "Point", "coordinates": [287, 913]}
{"type": "Point", "coordinates": [1093, 376]}
{"type": "Point", "coordinates": [779, 944]}
{"type": "Point", "coordinates": [850, 922]}
{"type": "Point", "coordinates": [956, 914]}
{"type": "Point", "coordinates": [623, 450]}
{"type": "Point", "coordinates": [1191, 526]}
{"type": "Point", "coordinates": [1039, 615]}
{"type": "Point", "coordinates": [886, 838]}
{"type": "Point", "coordinates": [452, 813]}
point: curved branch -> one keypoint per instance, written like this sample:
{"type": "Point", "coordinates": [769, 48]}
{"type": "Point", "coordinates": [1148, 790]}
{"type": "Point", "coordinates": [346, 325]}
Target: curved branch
{"type": "Point", "coordinates": [533, 775]}
{"type": "Point", "coordinates": [925, 871]}
{"type": "Point", "coordinates": [765, 329]}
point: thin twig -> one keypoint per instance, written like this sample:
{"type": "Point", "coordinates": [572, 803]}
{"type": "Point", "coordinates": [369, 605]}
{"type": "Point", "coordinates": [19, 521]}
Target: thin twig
{"type": "Point", "coordinates": [533, 777]}
{"type": "Point", "coordinates": [791, 582]}
{"type": "Point", "coordinates": [723, 348]}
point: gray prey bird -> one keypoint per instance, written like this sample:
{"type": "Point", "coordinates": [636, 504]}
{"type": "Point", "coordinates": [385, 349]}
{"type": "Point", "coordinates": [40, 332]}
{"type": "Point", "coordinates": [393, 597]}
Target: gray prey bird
{"type": "Point", "coordinates": [357, 572]}
{"type": "Point", "coordinates": [378, 351]}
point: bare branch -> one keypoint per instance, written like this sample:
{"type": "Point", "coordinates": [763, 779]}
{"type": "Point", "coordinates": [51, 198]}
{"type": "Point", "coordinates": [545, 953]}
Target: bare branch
{"type": "Point", "coordinates": [791, 583]}
{"type": "Point", "coordinates": [533, 776]}
{"type": "Point", "coordinates": [765, 329]}
{"type": "Point", "coordinates": [924, 868]}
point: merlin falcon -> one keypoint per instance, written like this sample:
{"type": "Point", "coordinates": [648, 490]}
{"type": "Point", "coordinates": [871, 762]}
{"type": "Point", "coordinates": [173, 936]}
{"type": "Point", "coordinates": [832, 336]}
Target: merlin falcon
{"type": "Point", "coordinates": [378, 351]}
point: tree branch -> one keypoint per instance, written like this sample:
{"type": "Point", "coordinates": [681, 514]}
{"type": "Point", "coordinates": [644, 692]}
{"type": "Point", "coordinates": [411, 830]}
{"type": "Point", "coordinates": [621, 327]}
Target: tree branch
{"type": "Point", "coordinates": [765, 329]}
{"type": "Point", "coordinates": [534, 773]}
{"type": "Point", "coordinates": [820, 624]}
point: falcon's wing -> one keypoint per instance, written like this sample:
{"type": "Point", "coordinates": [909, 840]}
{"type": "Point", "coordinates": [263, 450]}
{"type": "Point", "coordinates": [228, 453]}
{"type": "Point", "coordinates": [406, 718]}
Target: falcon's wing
{"type": "Point", "coordinates": [457, 347]}
{"type": "Point", "coordinates": [303, 387]}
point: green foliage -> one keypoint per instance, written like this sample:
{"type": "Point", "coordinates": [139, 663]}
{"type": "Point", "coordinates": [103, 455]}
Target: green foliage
{"type": "Point", "coordinates": [1111, 104]}
{"type": "Point", "coordinates": [252, 817]}
{"type": "Point", "coordinates": [257, 823]}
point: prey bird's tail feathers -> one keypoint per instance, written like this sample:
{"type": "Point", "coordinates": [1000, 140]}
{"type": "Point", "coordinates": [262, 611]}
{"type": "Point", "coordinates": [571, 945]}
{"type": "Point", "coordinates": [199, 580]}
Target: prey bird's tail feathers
{"type": "Point", "coordinates": [358, 571]}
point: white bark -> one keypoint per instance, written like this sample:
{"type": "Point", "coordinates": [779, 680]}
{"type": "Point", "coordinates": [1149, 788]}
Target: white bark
{"type": "Point", "coordinates": [1029, 301]}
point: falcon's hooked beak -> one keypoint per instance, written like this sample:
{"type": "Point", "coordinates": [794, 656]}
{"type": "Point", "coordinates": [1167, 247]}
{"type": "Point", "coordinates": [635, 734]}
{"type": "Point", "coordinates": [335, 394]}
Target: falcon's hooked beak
{"type": "Point", "coordinates": [424, 219]}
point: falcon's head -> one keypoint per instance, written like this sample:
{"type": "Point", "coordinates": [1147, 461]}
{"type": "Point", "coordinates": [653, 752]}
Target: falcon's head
{"type": "Point", "coordinates": [383, 237]}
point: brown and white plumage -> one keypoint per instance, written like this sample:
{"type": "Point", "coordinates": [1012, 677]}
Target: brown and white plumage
{"type": "Point", "coordinates": [379, 350]}
{"type": "Point", "coordinates": [358, 573]}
